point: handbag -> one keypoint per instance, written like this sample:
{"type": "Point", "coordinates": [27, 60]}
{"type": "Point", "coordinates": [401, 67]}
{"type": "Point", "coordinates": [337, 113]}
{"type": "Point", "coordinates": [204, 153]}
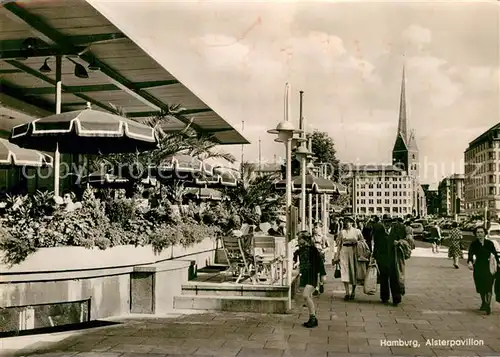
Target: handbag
{"type": "Point", "coordinates": [497, 287]}
{"type": "Point", "coordinates": [336, 275]}
{"type": "Point", "coordinates": [370, 286]}
{"type": "Point", "coordinates": [493, 265]}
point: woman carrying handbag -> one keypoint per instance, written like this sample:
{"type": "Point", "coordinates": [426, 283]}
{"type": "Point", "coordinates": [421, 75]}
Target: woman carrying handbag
{"type": "Point", "coordinates": [347, 257]}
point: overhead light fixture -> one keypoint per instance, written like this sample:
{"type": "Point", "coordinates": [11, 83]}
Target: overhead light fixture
{"type": "Point", "coordinates": [94, 65]}
{"type": "Point", "coordinates": [80, 71]}
{"type": "Point", "coordinates": [45, 68]}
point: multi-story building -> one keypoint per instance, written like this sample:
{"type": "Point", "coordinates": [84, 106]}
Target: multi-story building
{"type": "Point", "coordinates": [432, 200]}
{"type": "Point", "coordinates": [379, 190]}
{"type": "Point", "coordinates": [482, 170]}
{"type": "Point", "coordinates": [451, 195]}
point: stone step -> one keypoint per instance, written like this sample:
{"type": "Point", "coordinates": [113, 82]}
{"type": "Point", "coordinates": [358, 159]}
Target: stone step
{"type": "Point", "coordinates": [232, 289]}
{"type": "Point", "coordinates": [263, 305]}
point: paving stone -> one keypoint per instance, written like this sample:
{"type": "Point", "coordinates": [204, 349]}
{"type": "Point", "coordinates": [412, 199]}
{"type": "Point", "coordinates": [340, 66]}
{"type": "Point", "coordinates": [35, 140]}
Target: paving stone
{"type": "Point", "coordinates": [98, 354]}
{"type": "Point", "coordinates": [219, 352]}
{"type": "Point", "coordinates": [259, 352]}
{"type": "Point", "coordinates": [353, 328]}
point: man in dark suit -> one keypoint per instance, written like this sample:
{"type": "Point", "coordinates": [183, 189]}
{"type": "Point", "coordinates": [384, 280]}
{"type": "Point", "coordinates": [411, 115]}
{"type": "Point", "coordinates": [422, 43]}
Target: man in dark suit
{"type": "Point", "coordinates": [385, 255]}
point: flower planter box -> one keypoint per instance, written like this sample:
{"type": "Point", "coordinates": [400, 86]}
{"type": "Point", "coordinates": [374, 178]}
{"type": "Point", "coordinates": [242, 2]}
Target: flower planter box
{"type": "Point", "coordinates": [64, 259]}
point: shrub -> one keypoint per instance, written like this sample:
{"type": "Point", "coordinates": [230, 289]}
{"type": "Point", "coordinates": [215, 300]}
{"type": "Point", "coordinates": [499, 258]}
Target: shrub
{"type": "Point", "coordinates": [121, 210]}
{"type": "Point", "coordinates": [27, 226]}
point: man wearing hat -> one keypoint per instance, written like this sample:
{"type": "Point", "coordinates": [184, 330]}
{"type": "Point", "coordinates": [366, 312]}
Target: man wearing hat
{"type": "Point", "coordinates": [384, 251]}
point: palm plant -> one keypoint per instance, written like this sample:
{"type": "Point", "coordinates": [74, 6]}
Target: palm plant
{"type": "Point", "coordinates": [255, 191]}
{"type": "Point", "coordinates": [186, 141]}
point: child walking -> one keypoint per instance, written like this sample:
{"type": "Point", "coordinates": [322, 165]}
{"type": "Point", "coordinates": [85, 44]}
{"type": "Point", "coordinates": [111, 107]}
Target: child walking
{"type": "Point", "coordinates": [311, 267]}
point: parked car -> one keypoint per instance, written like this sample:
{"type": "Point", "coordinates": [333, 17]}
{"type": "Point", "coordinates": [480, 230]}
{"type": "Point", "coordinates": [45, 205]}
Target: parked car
{"type": "Point", "coordinates": [418, 230]}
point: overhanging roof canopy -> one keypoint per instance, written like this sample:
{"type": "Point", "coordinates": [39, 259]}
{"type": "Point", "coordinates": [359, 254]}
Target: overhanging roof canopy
{"type": "Point", "coordinates": [128, 78]}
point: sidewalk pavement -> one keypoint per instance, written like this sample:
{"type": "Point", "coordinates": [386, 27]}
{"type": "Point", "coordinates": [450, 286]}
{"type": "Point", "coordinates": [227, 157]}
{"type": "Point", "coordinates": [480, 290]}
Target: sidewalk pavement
{"type": "Point", "coordinates": [440, 304]}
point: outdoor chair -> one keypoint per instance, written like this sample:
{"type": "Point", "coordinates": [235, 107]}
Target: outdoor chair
{"type": "Point", "coordinates": [240, 263]}
{"type": "Point", "coordinates": [269, 263]}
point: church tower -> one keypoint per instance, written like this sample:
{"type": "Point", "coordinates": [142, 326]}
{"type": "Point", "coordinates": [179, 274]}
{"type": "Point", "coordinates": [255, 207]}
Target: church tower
{"type": "Point", "coordinates": [405, 151]}
{"type": "Point", "coordinates": [400, 150]}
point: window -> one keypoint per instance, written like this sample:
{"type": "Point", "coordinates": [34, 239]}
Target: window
{"type": "Point", "coordinates": [394, 202]}
{"type": "Point", "coordinates": [370, 202]}
{"type": "Point", "coordinates": [387, 193]}
{"type": "Point", "coordinates": [394, 186]}
{"type": "Point", "coordinates": [387, 185]}
{"type": "Point", "coordinates": [387, 202]}
{"type": "Point", "coordinates": [363, 202]}
{"type": "Point", "coordinates": [379, 194]}
{"type": "Point", "coordinates": [394, 193]}
{"type": "Point", "coordinates": [379, 202]}
{"type": "Point", "coordinates": [370, 194]}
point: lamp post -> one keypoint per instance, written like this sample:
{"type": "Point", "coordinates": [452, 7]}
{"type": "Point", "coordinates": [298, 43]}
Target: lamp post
{"type": "Point", "coordinates": [303, 155]}
{"type": "Point", "coordinates": [285, 131]}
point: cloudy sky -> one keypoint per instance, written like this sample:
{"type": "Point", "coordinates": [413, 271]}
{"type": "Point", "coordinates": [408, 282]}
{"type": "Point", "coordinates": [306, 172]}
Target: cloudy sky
{"type": "Point", "coordinates": [346, 57]}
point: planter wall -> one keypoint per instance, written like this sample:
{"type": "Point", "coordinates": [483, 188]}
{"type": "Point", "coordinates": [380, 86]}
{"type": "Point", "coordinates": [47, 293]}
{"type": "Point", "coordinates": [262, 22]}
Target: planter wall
{"type": "Point", "coordinates": [100, 277]}
{"type": "Point", "coordinates": [64, 259]}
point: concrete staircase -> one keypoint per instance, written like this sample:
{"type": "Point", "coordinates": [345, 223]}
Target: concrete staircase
{"type": "Point", "coordinates": [229, 296]}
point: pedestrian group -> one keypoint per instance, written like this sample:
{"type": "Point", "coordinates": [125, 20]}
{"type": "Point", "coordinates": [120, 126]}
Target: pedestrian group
{"type": "Point", "coordinates": [385, 246]}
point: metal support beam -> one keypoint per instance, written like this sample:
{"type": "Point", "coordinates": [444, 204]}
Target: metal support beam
{"type": "Point", "coordinates": [43, 52]}
{"type": "Point", "coordinates": [44, 78]}
{"type": "Point", "coordinates": [10, 71]}
{"type": "Point", "coordinates": [183, 112]}
{"type": "Point", "coordinates": [97, 87]}
{"type": "Point", "coordinates": [18, 93]}
{"type": "Point", "coordinates": [195, 111]}
{"type": "Point", "coordinates": [79, 40]}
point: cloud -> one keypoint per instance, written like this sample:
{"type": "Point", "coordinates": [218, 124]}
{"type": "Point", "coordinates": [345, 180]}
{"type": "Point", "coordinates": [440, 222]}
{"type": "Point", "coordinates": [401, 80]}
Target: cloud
{"type": "Point", "coordinates": [417, 36]}
{"type": "Point", "coordinates": [431, 81]}
{"type": "Point", "coordinates": [221, 51]}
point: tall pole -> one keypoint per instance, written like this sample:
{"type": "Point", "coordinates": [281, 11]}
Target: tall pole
{"type": "Point", "coordinates": [288, 202]}
{"type": "Point", "coordinates": [57, 155]}
{"type": "Point", "coordinates": [242, 145]}
{"type": "Point", "coordinates": [260, 157]}
{"type": "Point", "coordinates": [325, 205]}
{"type": "Point", "coordinates": [486, 215]}
{"type": "Point", "coordinates": [310, 195]}
{"type": "Point", "coordinates": [303, 167]}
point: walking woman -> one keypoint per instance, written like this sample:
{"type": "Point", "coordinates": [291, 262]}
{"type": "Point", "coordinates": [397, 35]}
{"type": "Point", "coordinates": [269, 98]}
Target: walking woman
{"type": "Point", "coordinates": [480, 252]}
{"type": "Point", "coordinates": [347, 256]}
{"type": "Point", "coordinates": [455, 240]}
{"type": "Point", "coordinates": [310, 267]}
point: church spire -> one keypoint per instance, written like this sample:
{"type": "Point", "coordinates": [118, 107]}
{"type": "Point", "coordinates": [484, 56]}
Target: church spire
{"type": "Point", "coordinates": [402, 125]}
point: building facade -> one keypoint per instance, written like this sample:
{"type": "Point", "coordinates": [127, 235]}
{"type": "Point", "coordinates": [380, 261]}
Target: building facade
{"type": "Point", "coordinates": [451, 192]}
{"type": "Point", "coordinates": [378, 190]}
{"type": "Point", "coordinates": [433, 203]}
{"type": "Point", "coordinates": [482, 171]}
